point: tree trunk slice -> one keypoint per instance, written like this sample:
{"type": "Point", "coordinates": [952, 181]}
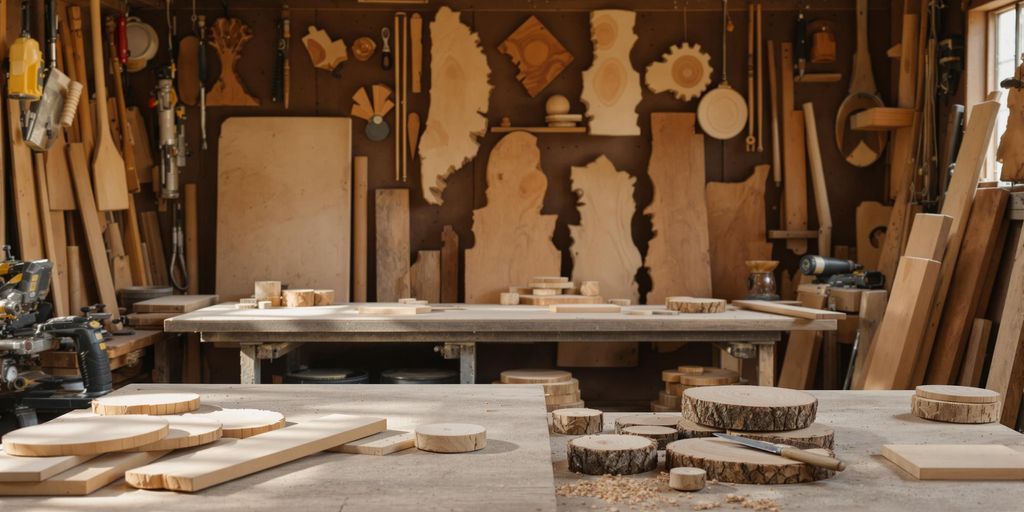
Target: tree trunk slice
{"type": "Point", "coordinates": [710, 377]}
{"type": "Point", "coordinates": [675, 388]}
{"type": "Point", "coordinates": [612, 455]}
{"type": "Point", "coordinates": [729, 462]}
{"type": "Point", "coordinates": [85, 435]}
{"type": "Point", "coordinates": [153, 404]}
{"type": "Point", "coordinates": [686, 479]}
{"type": "Point", "coordinates": [658, 420]}
{"type": "Point", "coordinates": [451, 437]}
{"type": "Point", "coordinates": [814, 436]}
{"type": "Point", "coordinates": [958, 394]}
{"type": "Point", "coordinates": [670, 400]}
{"type": "Point", "coordinates": [695, 305]}
{"type": "Point", "coordinates": [534, 376]}
{"type": "Point", "coordinates": [185, 432]}
{"type": "Point", "coordinates": [952, 412]}
{"type": "Point", "coordinates": [243, 423]}
{"type": "Point", "coordinates": [569, 405]}
{"type": "Point", "coordinates": [690, 430]}
{"type": "Point", "coordinates": [750, 408]}
{"type": "Point", "coordinates": [661, 435]}
{"type": "Point", "coordinates": [577, 422]}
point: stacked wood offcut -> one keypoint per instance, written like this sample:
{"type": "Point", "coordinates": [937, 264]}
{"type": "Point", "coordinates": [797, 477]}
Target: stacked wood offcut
{"type": "Point", "coordinates": [561, 390]}
{"type": "Point", "coordinates": [685, 377]}
{"type": "Point", "coordinates": [553, 290]}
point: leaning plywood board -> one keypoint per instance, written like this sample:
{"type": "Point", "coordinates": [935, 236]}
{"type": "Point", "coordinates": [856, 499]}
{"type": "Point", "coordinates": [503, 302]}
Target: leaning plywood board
{"type": "Point", "coordinates": [460, 91]}
{"type": "Point", "coordinates": [227, 461]}
{"type": "Point", "coordinates": [513, 239]}
{"type": "Point", "coordinates": [288, 226]}
{"type": "Point", "coordinates": [957, 461]}
{"type": "Point", "coordinates": [91, 226]}
{"type": "Point", "coordinates": [872, 219]}
{"type": "Point", "coordinates": [36, 469]}
{"type": "Point", "coordinates": [736, 227]}
{"type": "Point", "coordinates": [425, 276]}
{"type": "Point", "coordinates": [611, 87]}
{"type": "Point", "coordinates": [84, 478]}
{"type": "Point", "coordinates": [603, 251]}
{"type": "Point", "coordinates": [1006, 374]}
{"type": "Point", "coordinates": [392, 214]}
{"type": "Point", "coordinates": [175, 304]}
{"type": "Point", "coordinates": [679, 211]}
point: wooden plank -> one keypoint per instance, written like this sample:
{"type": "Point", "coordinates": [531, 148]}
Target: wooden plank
{"type": "Point", "coordinates": [382, 443]}
{"type": "Point", "coordinates": [85, 478]}
{"type": "Point", "coordinates": [977, 349]}
{"type": "Point", "coordinates": [872, 220]}
{"type": "Point", "coordinates": [872, 310]}
{"type": "Point", "coordinates": [449, 265]}
{"type": "Point", "coordinates": [133, 244]}
{"type": "Point", "coordinates": [26, 210]}
{"type": "Point", "coordinates": [737, 231]}
{"type": "Point", "coordinates": [678, 210]}
{"type": "Point", "coordinates": [801, 359]}
{"type": "Point", "coordinates": [1006, 374]}
{"type": "Point", "coordinates": [57, 288]}
{"type": "Point", "coordinates": [360, 211]}
{"type": "Point", "coordinates": [794, 164]}
{"type": "Point", "coordinates": [302, 217]}
{"type": "Point", "coordinates": [36, 469]}
{"type": "Point", "coordinates": [965, 291]}
{"type": "Point", "coordinates": [226, 460]}
{"type": "Point", "coordinates": [90, 225]}
{"type": "Point", "coordinates": [821, 203]}
{"type": "Point", "coordinates": [155, 247]}
{"type": "Point", "coordinates": [148, 320]}
{"type": "Point", "coordinates": [416, 52]}
{"type": "Point", "coordinates": [58, 176]}
{"type": "Point", "coordinates": [810, 313]}
{"type": "Point", "coordinates": [893, 353]}
{"type": "Point", "coordinates": [191, 209]}
{"type": "Point", "coordinates": [60, 250]}
{"type": "Point", "coordinates": [611, 87]}
{"type": "Point", "coordinates": [512, 238]}
{"type": "Point", "coordinates": [957, 461]}
{"type": "Point", "coordinates": [122, 345]}
{"type": "Point", "coordinates": [882, 119]}
{"type": "Point", "coordinates": [425, 276]}
{"type": "Point", "coordinates": [392, 244]}
{"type": "Point", "coordinates": [175, 304]}
{"type": "Point", "coordinates": [119, 265]}
{"type": "Point", "coordinates": [928, 237]}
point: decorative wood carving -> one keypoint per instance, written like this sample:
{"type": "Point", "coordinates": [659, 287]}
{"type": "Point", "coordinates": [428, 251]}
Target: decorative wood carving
{"type": "Point", "coordinates": [685, 71]}
{"type": "Point", "coordinates": [537, 53]}
{"type": "Point", "coordinates": [611, 87]}
{"type": "Point", "coordinates": [229, 36]}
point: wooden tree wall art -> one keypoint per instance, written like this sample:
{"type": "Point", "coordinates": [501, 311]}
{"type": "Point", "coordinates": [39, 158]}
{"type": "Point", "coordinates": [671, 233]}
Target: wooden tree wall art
{"type": "Point", "coordinates": [538, 54]}
{"type": "Point", "coordinates": [229, 36]}
{"type": "Point", "coordinates": [611, 87]}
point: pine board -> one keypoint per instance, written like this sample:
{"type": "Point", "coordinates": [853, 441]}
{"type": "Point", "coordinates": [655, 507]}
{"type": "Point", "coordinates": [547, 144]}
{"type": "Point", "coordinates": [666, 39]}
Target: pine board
{"type": "Point", "coordinates": [392, 244]}
{"type": "Point", "coordinates": [103, 280]}
{"type": "Point", "coordinates": [26, 210]}
{"type": "Point", "coordinates": [794, 163]}
{"type": "Point", "coordinates": [1006, 375]}
{"type": "Point", "coordinates": [381, 443]}
{"type": "Point", "coordinates": [270, 224]}
{"type": "Point", "coordinates": [84, 435]}
{"type": "Point", "coordinates": [957, 461]}
{"type": "Point", "coordinates": [175, 304]}
{"type": "Point", "coordinates": [85, 478]}
{"type": "Point", "coordinates": [611, 87]}
{"type": "Point", "coordinates": [737, 232]}
{"type": "Point", "coordinates": [36, 469]}
{"type": "Point", "coordinates": [425, 276]}
{"type": "Point", "coordinates": [801, 360]}
{"type": "Point", "coordinates": [805, 312]}
{"type": "Point", "coordinates": [928, 236]}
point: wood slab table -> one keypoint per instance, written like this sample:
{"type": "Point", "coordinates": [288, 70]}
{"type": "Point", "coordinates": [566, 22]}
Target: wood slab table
{"type": "Point", "coordinates": [457, 328]}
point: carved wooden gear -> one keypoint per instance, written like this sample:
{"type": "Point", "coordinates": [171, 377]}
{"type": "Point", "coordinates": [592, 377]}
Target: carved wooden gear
{"type": "Point", "coordinates": [685, 71]}
{"type": "Point", "coordinates": [228, 36]}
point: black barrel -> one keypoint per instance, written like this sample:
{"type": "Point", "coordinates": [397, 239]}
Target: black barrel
{"type": "Point", "coordinates": [419, 376]}
{"type": "Point", "coordinates": [327, 376]}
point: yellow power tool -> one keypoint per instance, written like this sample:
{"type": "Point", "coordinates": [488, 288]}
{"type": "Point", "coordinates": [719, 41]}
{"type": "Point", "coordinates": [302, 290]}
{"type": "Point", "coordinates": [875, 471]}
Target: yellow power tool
{"type": "Point", "coordinates": [26, 68]}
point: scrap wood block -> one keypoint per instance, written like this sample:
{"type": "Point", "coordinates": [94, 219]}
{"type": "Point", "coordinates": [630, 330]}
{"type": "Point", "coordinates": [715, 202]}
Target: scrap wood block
{"type": "Point", "coordinates": [178, 304]}
{"type": "Point", "coordinates": [381, 443]}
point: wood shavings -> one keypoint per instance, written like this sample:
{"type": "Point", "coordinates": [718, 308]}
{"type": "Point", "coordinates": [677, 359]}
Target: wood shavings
{"type": "Point", "coordinates": [705, 505]}
{"type": "Point", "coordinates": [647, 493]}
{"type": "Point", "coordinates": [758, 504]}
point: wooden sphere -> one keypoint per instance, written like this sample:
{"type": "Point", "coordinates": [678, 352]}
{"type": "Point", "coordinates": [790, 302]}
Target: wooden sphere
{"type": "Point", "coordinates": [557, 104]}
{"type": "Point", "coordinates": [726, 461]}
{"type": "Point", "coordinates": [753, 408]}
{"type": "Point", "coordinates": [612, 455]}
{"type": "Point", "coordinates": [85, 435]}
{"type": "Point", "coordinates": [153, 404]}
{"type": "Point", "coordinates": [686, 479]}
{"type": "Point", "coordinates": [577, 421]}
{"type": "Point", "coordinates": [451, 437]}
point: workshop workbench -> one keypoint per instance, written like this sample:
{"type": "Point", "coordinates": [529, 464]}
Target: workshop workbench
{"type": "Point", "coordinates": [456, 329]}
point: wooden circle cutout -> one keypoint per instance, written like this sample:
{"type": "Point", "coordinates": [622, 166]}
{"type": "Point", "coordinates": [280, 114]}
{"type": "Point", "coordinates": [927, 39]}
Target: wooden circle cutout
{"type": "Point", "coordinates": [243, 423]}
{"type": "Point", "coordinates": [755, 408]}
{"type": "Point", "coordinates": [960, 394]}
{"type": "Point", "coordinates": [451, 437]}
{"type": "Point", "coordinates": [153, 404]}
{"type": "Point", "coordinates": [185, 432]}
{"type": "Point", "coordinates": [85, 435]}
{"type": "Point", "coordinates": [722, 113]}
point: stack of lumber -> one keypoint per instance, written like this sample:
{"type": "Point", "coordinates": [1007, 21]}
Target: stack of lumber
{"type": "Point", "coordinates": [561, 390]}
{"type": "Point", "coordinates": [151, 313]}
{"type": "Point", "coordinates": [553, 290]}
{"type": "Point", "coordinates": [777, 415]}
{"type": "Point", "coordinates": [682, 378]}
{"type": "Point", "coordinates": [125, 353]}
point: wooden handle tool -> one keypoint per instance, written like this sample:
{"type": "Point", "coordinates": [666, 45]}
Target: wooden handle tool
{"type": "Point", "coordinates": [814, 459]}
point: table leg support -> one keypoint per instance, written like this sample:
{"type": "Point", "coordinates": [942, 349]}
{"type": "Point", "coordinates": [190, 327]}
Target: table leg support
{"type": "Point", "coordinates": [766, 364]}
{"type": "Point", "coordinates": [467, 363]}
{"type": "Point", "coordinates": [249, 364]}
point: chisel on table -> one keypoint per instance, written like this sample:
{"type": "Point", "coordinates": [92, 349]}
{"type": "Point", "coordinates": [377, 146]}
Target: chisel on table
{"type": "Point", "coordinates": [814, 459]}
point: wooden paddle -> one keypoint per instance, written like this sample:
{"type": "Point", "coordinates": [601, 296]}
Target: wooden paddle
{"type": "Point", "coordinates": [108, 170]}
{"type": "Point", "coordinates": [862, 150]}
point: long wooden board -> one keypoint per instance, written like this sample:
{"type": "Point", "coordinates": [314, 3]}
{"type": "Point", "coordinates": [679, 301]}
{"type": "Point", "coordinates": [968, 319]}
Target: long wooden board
{"type": "Point", "coordinates": [392, 236]}
{"type": "Point", "coordinates": [810, 313]}
{"type": "Point", "coordinates": [91, 226]}
{"type": "Point", "coordinates": [736, 227]}
{"type": "Point", "coordinates": [794, 163]}
{"type": "Point", "coordinates": [957, 461]}
{"type": "Point", "coordinates": [84, 478]}
{"type": "Point", "coordinates": [36, 469]}
{"type": "Point", "coordinates": [928, 236]}
{"type": "Point", "coordinates": [1006, 375]}
{"type": "Point", "coordinates": [286, 226]}
{"type": "Point", "coordinates": [611, 87]}
{"type": "Point", "coordinates": [801, 360]}
{"type": "Point", "coordinates": [360, 239]}
{"type": "Point", "coordinates": [50, 234]}
{"type": "Point", "coordinates": [26, 210]}
{"type": "Point", "coordinates": [175, 304]}
{"type": "Point", "coordinates": [224, 461]}
{"type": "Point", "coordinates": [872, 219]}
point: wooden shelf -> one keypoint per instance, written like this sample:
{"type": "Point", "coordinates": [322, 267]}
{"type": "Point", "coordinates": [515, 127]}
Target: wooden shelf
{"type": "Point", "coordinates": [882, 119]}
{"type": "Point", "coordinates": [539, 129]}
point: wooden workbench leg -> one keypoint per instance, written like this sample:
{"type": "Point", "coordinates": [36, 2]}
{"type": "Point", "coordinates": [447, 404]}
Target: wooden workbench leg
{"type": "Point", "coordinates": [467, 363]}
{"type": "Point", "coordinates": [249, 371]}
{"type": "Point", "coordinates": [766, 364]}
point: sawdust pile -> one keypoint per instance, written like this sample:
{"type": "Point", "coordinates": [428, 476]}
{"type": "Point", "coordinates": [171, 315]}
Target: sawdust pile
{"type": "Point", "coordinates": [639, 493]}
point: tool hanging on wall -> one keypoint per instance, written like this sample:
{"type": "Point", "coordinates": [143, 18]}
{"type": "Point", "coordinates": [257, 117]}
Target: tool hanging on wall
{"type": "Point", "coordinates": [751, 140]}
{"type": "Point", "coordinates": [201, 21]}
{"type": "Point", "coordinates": [800, 44]}
{"type": "Point", "coordinates": [860, 149]}
{"type": "Point", "coordinates": [823, 43]}
{"type": "Point", "coordinates": [399, 57]}
{"type": "Point", "coordinates": [773, 93]}
{"type": "Point", "coordinates": [385, 48]}
{"type": "Point", "coordinates": [723, 112]}
{"type": "Point", "coordinates": [177, 269]}
{"type": "Point", "coordinates": [282, 68]}
{"type": "Point", "coordinates": [171, 125]}
{"type": "Point", "coordinates": [760, 83]}
{"type": "Point", "coordinates": [373, 113]}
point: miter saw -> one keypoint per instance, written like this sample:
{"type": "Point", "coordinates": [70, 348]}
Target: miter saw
{"type": "Point", "coordinates": [26, 329]}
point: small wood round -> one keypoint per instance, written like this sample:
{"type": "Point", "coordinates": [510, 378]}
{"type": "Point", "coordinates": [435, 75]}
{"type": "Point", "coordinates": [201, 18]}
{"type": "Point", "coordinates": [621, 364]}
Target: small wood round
{"type": "Point", "coordinates": [953, 412]}
{"type": "Point", "coordinates": [185, 432]}
{"type": "Point", "coordinates": [569, 387]}
{"type": "Point", "coordinates": [534, 376]}
{"type": "Point", "coordinates": [729, 462]}
{"type": "Point", "coordinates": [612, 455]}
{"type": "Point", "coordinates": [695, 305]}
{"type": "Point", "coordinates": [710, 377]}
{"type": "Point", "coordinates": [959, 394]}
{"type": "Point", "coordinates": [814, 436]}
{"type": "Point", "coordinates": [670, 400]}
{"type": "Point", "coordinates": [590, 288]}
{"type": "Point", "coordinates": [508, 299]}
{"type": "Point", "coordinates": [153, 404]}
{"type": "Point", "coordinates": [243, 423]}
{"type": "Point", "coordinates": [690, 430]}
{"type": "Point", "coordinates": [569, 405]}
{"type": "Point", "coordinates": [655, 419]}
{"type": "Point", "coordinates": [85, 435]}
{"type": "Point", "coordinates": [661, 435]}
{"type": "Point", "coordinates": [752, 408]}
{"type": "Point", "coordinates": [686, 479]}
{"type": "Point", "coordinates": [451, 437]}
{"type": "Point", "coordinates": [562, 399]}
{"type": "Point", "coordinates": [577, 422]}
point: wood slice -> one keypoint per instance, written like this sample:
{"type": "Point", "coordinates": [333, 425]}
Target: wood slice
{"type": "Point", "coordinates": [659, 420]}
{"type": "Point", "coordinates": [692, 370]}
{"type": "Point", "coordinates": [577, 421]}
{"type": "Point", "coordinates": [675, 388]}
{"type": "Point", "coordinates": [185, 432]}
{"type": "Point", "coordinates": [710, 377]}
{"type": "Point", "coordinates": [686, 479]}
{"type": "Point", "coordinates": [534, 376]}
{"type": "Point", "coordinates": [953, 412]}
{"type": "Point", "coordinates": [85, 435]}
{"type": "Point", "coordinates": [299, 298]}
{"type": "Point", "coordinates": [661, 435]}
{"type": "Point", "coordinates": [690, 430]}
{"type": "Point", "coordinates": [612, 455]}
{"type": "Point", "coordinates": [729, 462]}
{"type": "Point", "coordinates": [153, 404]}
{"type": "Point", "coordinates": [381, 443]}
{"type": "Point", "coordinates": [562, 399]}
{"type": "Point", "coordinates": [814, 436]}
{"type": "Point", "coordinates": [668, 400]}
{"type": "Point", "coordinates": [695, 305]}
{"type": "Point", "coordinates": [567, 405]}
{"type": "Point", "coordinates": [243, 423]}
{"type": "Point", "coordinates": [451, 437]}
{"type": "Point", "coordinates": [958, 394]}
{"type": "Point", "coordinates": [756, 408]}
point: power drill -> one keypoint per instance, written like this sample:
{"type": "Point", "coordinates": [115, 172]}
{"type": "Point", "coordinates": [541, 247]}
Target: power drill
{"type": "Point", "coordinates": [88, 336]}
{"type": "Point", "coordinates": [841, 273]}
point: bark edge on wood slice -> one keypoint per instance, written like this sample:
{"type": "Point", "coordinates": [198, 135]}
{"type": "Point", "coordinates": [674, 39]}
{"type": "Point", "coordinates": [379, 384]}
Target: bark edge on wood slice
{"type": "Point", "coordinates": [661, 435]}
{"type": "Point", "coordinates": [576, 422]}
{"type": "Point", "coordinates": [729, 462]}
{"type": "Point", "coordinates": [814, 436]}
{"type": "Point", "coordinates": [754, 408]}
{"type": "Point", "coordinates": [153, 404]}
{"type": "Point", "coordinates": [695, 305]}
{"type": "Point", "coordinates": [690, 430]}
{"type": "Point", "coordinates": [953, 412]}
{"type": "Point", "coordinates": [451, 437]}
{"type": "Point", "coordinates": [612, 455]}
{"type": "Point", "coordinates": [958, 394]}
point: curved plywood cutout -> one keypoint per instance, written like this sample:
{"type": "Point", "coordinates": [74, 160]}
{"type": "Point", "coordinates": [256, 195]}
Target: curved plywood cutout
{"type": "Point", "coordinates": [685, 71]}
{"type": "Point", "coordinates": [611, 87]}
{"type": "Point", "coordinates": [513, 240]}
{"type": "Point", "coordinates": [736, 225]}
{"type": "Point", "coordinates": [460, 90]}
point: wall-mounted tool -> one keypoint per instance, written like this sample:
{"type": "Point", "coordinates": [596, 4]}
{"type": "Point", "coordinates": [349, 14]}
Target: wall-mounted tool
{"type": "Point", "coordinates": [282, 68]}
{"type": "Point", "coordinates": [143, 44]}
{"type": "Point", "coordinates": [722, 113]}
{"type": "Point", "coordinates": [170, 121]}
{"type": "Point", "coordinates": [26, 75]}
{"type": "Point", "coordinates": [325, 53]}
{"type": "Point", "coordinates": [800, 44]}
{"type": "Point", "coordinates": [823, 42]}
{"type": "Point", "coordinates": [363, 48]}
{"type": "Point", "coordinates": [201, 21]}
{"type": "Point", "coordinates": [860, 149]}
{"type": "Point", "coordinates": [373, 113]}
{"type": "Point", "coordinates": [385, 48]}
{"type": "Point", "coordinates": [751, 140]}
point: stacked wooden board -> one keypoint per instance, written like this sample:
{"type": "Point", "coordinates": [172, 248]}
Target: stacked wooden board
{"type": "Point", "coordinates": [561, 390]}
{"type": "Point", "coordinates": [551, 290]}
{"type": "Point", "coordinates": [682, 378]}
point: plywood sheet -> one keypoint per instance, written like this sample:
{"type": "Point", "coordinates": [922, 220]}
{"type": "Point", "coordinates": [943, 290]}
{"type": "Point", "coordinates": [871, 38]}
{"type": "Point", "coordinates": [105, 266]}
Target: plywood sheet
{"type": "Point", "coordinates": [512, 238]}
{"type": "Point", "coordinates": [392, 233]}
{"type": "Point", "coordinates": [957, 461]}
{"type": "Point", "coordinates": [611, 87]}
{"type": "Point", "coordinates": [736, 226]}
{"type": "Point", "coordinates": [287, 226]}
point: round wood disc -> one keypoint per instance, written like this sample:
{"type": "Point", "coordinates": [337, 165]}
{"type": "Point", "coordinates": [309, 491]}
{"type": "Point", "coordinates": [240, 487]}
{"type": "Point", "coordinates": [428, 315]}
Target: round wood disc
{"type": "Point", "coordinates": [612, 455]}
{"type": "Point", "coordinates": [675, 388]}
{"type": "Point", "coordinates": [722, 113]}
{"type": "Point", "coordinates": [691, 370]}
{"type": "Point", "coordinates": [661, 435]}
{"type": "Point", "coordinates": [710, 377]}
{"type": "Point", "coordinates": [85, 435]}
{"type": "Point", "coordinates": [954, 412]}
{"type": "Point", "coordinates": [730, 462]}
{"type": "Point", "coordinates": [534, 376]}
{"type": "Point", "coordinates": [753, 408]}
{"type": "Point", "coordinates": [690, 430]}
{"type": "Point", "coordinates": [670, 400]}
{"type": "Point", "coordinates": [185, 432]}
{"type": "Point", "coordinates": [686, 479]}
{"type": "Point", "coordinates": [577, 421]}
{"type": "Point", "coordinates": [243, 423]}
{"type": "Point", "coordinates": [654, 419]}
{"type": "Point", "coordinates": [451, 437]}
{"type": "Point", "coordinates": [959, 394]}
{"type": "Point", "coordinates": [153, 404]}
{"type": "Point", "coordinates": [814, 436]}
{"type": "Point", "coordinates": [568, 405]}
{"type": "Point", "coordinates": [695, 305]}
{"type": "Point", "coordinates": [562, 399]}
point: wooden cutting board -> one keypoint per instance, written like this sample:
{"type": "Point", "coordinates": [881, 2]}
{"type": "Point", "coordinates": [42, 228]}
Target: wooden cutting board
{"type": "Point", "coordinates": [957, 461]}
{"type": "Point", "coordinates": [85, 435]}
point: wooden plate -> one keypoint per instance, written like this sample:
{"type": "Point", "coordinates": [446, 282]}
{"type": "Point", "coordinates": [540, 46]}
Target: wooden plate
{"type": "Point", "coordinates": [722, 113]}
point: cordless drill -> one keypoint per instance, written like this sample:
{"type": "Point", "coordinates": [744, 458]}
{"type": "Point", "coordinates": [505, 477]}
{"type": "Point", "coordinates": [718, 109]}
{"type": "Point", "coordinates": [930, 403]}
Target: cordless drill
{"type": "Point", "coordinates": [841, 273]}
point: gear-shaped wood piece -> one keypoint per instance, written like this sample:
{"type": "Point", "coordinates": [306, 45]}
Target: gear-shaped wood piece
{"type": "Point", "coordinates": [228, 36]}
{"type": "Point", "coordinates": [685, 71]}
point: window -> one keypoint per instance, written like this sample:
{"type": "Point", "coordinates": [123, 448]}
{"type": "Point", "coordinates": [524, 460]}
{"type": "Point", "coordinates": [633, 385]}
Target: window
{"type": "Point", "coordinates": [1008, 25]}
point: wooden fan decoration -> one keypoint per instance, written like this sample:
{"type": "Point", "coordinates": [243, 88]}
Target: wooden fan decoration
{"type": "Point", "coordinates": [373, 112]}
{"type": "Point", "coordinates": [228, 36]}
{"type": "Point", "coordinates": [685, 71]}
{"type": "Point", "coordinates": [323, 52]}
{"type": "Point", "coordinates": [538, 54]}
